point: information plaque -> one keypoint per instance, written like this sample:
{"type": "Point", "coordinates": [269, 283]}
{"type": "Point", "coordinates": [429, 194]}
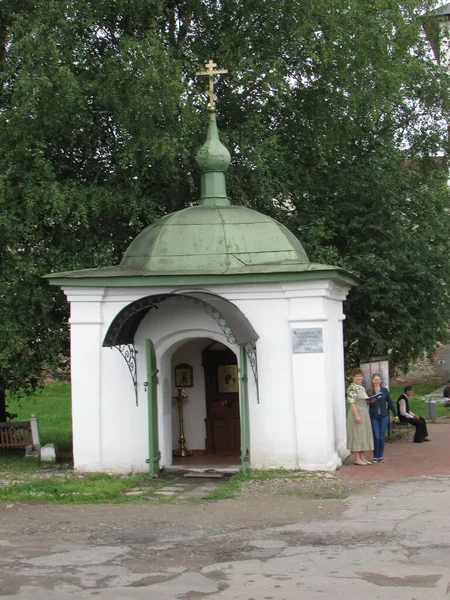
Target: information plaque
{"type": "Point", "coordinates": [307, 341]}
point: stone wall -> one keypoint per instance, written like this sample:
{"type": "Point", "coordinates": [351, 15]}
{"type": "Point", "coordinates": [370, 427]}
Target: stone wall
{"type": "Point", "coordinates": [434, 369]}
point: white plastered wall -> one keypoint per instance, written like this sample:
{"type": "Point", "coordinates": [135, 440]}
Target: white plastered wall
{"type": "Point", "coordinates": [298, 419]}
{"type": "Point", "coordinates": [319, 384]}
{"type": "Point", "coordinates": [85, 340]}
{"type": "Point", "coordinates": [272, 429]}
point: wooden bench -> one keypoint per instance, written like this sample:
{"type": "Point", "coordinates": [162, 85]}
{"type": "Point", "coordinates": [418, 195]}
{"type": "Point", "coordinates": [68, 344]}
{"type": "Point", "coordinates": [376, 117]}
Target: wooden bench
{"type": "Point", "coordinates": [403, 429]}
{"type": "Point", "coordinates": [20, 434]}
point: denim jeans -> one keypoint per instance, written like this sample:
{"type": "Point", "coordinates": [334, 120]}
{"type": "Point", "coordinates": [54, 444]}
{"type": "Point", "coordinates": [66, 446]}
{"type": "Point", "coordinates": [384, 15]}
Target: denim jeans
{"type": "Point", "coordinates": [379, 426]}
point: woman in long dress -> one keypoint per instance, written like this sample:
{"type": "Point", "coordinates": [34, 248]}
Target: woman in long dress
{"type": "Point", "coordinates": [359, 429]}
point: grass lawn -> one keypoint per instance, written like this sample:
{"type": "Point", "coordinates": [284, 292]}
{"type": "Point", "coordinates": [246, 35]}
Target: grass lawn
{"type": "Point", "coordinates": [28, 479]}
{"type": "Point", "coordinates": [51, 405]}
{"type": "Point", "coordinates": [416, 402]}
{"type": "Point", "coordinates": [62, 486]}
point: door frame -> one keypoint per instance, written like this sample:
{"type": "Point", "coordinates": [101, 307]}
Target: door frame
{"type": "Point", "coordinates": [152, 402]}
{"type": "Point", "coordinates": [244, 409]}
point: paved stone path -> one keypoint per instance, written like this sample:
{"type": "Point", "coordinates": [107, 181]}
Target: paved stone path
{"type": "Point", "coordinates": [180, 488]}
{"type": "Point", "coordinates": [406, 459]}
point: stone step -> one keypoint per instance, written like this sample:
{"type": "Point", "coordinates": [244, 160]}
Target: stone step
{"type": "Point", "coordinates": [204, 474]}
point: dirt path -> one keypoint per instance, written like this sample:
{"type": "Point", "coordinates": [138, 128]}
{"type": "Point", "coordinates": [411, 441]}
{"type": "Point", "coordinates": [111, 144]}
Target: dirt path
{"type": "Point", "coordinates": [384, 540]}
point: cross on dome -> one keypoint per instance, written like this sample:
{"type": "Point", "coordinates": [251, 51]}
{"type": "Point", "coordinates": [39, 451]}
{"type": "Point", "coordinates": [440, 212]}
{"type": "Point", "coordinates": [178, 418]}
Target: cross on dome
{"type": "Point", "coordinates": [210, 72]}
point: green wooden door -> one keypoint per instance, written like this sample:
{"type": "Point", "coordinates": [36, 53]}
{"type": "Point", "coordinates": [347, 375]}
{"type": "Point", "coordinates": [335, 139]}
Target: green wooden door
{"type": "Point", "coordinates": [244, 412]}
{"type": "Point", "coordinates": [153, 440]}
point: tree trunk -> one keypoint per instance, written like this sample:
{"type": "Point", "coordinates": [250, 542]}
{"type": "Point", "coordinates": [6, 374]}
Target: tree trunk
{"type": "Point", "coordinates": [2, 403]}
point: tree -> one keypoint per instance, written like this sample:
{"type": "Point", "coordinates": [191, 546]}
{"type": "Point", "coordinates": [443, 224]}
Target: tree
{"type": "Point", "coordinates": [80, 127]}
{"type": "Point", "coordinates": [350, 125]}
{"type": "Point", "coordinates": [324, 106]}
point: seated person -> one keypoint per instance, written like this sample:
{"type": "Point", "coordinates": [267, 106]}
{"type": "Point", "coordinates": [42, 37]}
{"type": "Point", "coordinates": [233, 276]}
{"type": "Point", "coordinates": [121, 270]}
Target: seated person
{"type": "Point", "coordinates": [406, 416]}
{"type": "Point", "coordinates": [447, 393]}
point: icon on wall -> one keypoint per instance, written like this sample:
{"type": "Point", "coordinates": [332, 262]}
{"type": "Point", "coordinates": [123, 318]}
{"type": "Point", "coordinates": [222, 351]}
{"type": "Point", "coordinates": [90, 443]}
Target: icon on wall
{"type": "Point", "coordinates": [184, 376]}
{"type": "Point", "coordinates": [227, 376]}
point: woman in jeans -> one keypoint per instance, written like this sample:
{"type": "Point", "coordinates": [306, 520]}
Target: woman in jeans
{"type": "Point", "coordinates": [379, 415]}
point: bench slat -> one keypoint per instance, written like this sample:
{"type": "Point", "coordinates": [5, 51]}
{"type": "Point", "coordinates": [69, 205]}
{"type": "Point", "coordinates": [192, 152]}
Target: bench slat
{"type": "Point", "coordinates": [15, 434]}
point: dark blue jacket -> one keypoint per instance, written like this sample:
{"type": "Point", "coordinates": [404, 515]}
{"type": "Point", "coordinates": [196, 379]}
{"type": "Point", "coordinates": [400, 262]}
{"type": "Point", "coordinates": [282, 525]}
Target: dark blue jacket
{"type": "Point", "coordinates": [382, 405]}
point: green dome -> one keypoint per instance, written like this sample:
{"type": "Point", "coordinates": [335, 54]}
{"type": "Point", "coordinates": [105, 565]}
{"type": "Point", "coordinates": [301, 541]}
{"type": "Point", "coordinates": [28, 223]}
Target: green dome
{"type": "Point", "coordinates": [214, 239]}
{"type": "Point", "coordinates": [212, 242]}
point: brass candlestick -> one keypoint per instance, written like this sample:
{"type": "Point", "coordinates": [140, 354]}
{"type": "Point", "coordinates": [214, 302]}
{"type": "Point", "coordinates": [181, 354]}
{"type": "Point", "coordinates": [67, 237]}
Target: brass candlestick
{"type": "Point", "coordinates": [181, 399]}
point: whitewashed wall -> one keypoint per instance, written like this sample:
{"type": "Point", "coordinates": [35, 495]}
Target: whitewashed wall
{"type": "Point", "coordinates": [299, 420]}
{"type": "Point", "coordinates": [85, 341]}
{"type": "Point", "coordinates": [273, 440]}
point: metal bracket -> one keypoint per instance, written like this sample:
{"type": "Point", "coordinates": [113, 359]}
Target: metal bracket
{"type": "Point", "coordinates": [129, 352]}
{"type": "Point", "coordinates": [221, 321]}
{"type": "Point", "coordinates": [250, 349]}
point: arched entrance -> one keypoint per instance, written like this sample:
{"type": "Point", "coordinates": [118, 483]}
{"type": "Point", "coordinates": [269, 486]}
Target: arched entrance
{"type": "Point", "coordinates": [206, 427]}
{"type": "Point", "coordinates": [225, 396]}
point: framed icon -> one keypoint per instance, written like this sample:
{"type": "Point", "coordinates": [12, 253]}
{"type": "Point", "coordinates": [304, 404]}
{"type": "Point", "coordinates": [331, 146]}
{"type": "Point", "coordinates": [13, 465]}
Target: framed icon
{"type": "Point", "coordinates": [227, 376]}
{"type": "Point", "coordinates": [184, 376]}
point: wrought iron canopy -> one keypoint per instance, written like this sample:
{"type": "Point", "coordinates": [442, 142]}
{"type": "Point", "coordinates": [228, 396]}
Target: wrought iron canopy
{"type": "Point", "coordinates": [125, 324]}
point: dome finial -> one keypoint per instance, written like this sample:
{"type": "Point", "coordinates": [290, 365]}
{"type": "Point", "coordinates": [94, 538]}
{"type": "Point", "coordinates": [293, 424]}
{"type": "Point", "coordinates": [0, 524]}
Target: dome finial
{"type": "Point", "coordinates": [210, 72]}
{"type": "Point", "coordinates": [213, 158]}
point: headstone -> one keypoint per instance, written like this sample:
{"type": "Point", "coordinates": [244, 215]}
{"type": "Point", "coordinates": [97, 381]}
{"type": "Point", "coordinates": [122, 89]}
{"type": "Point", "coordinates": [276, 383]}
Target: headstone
{"type": "Point", "coordinates": [48, 453]}
{"type": "Point", "coordinates": [35, 432]}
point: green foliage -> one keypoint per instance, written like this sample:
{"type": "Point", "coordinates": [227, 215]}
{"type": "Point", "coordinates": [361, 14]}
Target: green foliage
{"type": "Point", "coordinates": [101, 120]}
{"type": "Point", "coordinates": [402, 303]}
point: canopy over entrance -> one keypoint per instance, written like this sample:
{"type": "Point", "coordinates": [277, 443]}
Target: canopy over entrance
{"type": "Point", "coordinates": [234, 324]}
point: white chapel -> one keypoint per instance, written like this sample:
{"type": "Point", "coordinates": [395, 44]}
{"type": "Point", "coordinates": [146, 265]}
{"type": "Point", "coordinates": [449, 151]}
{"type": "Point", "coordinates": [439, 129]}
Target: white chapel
{"type": "Point", "coordinates": [214, 342]}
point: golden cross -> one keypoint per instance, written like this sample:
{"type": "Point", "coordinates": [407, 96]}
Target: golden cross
{"type": "Point", "coordinates": [210, 72]}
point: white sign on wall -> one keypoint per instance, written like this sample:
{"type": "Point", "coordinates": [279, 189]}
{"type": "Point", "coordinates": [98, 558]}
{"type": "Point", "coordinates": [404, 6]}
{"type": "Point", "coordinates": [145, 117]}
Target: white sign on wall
{"type": "Point", "coordinates": [307, 340]}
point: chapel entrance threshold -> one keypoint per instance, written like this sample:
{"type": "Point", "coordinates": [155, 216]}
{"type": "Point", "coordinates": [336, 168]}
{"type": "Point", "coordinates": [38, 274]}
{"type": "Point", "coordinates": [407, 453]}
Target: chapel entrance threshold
{"type": "Point", "coordinates": [208, 462]}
